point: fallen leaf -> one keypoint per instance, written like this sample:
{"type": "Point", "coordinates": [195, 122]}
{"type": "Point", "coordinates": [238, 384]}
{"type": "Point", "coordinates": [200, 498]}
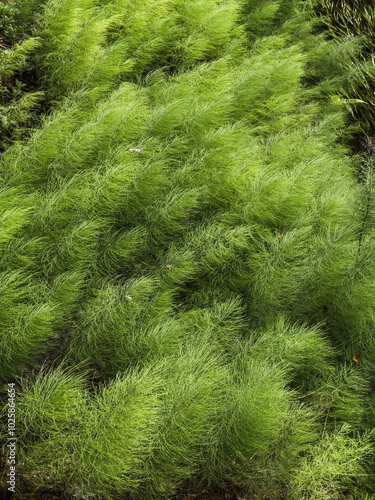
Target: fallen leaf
{"type": "Point", "coordinates": [278, 234]}
{"type": "Point", "coordinates": [357, 357]}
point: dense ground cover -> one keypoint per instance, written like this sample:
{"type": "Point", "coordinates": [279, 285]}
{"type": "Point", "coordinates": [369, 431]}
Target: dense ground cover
{"type": "Point", "coordinates": [188, 257]}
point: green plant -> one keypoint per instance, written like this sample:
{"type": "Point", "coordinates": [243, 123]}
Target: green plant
{"type": "Point", "coordinates": [345, 19]}
{"type": "Point", "coordinates": [16, 102]}
{"type": "Point", "coordinates": [333, 466]}
{"type": "Point", "coordinates": [187, 225]}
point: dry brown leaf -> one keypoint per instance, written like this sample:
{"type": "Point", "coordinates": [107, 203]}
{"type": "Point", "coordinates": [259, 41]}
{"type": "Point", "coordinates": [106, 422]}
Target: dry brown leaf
{"type": "Point", "coordinates": [357, 357]}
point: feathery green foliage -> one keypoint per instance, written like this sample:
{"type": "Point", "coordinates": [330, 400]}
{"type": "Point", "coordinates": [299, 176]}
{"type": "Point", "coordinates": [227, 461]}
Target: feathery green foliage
{"type": "Point", "coordinates": [16, 102]}
{"type": "Point", "coordinates": [185, 238]}
{"type": "Point", "coordinates": [334, 465]}
{"type": "Point", "coordinates": [348, 19]}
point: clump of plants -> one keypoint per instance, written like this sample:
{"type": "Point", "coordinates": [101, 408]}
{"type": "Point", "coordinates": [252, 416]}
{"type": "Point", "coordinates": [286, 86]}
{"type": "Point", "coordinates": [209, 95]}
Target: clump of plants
{"type": "Point", "coordinates": [187, 271]}
{"type": "Point", "coordinates": [348, 19]}
{"type": "Point", "coordinates": [20, 99]}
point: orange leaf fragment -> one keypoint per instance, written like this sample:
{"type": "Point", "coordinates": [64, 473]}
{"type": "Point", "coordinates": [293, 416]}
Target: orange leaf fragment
{"type": "Point", "coordinates": [357, 357]}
